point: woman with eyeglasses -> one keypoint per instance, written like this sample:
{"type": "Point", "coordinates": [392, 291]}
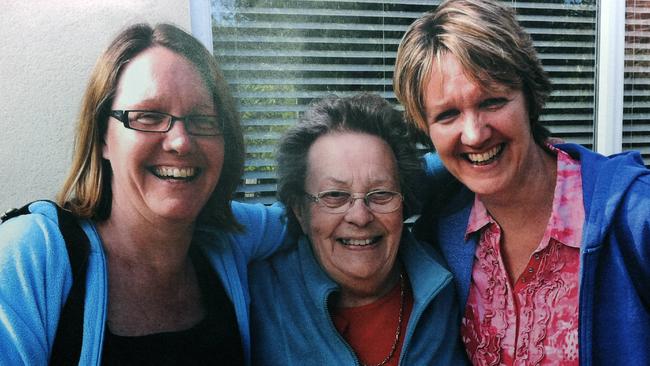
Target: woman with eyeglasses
{"type": "Point", "coordinates": [158, 154]}
{"type": "Point", "coordinates": [356, 288]}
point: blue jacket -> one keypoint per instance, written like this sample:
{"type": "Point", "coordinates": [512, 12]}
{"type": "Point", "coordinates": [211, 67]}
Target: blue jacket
{"type": "Point", "coordinates": [291, 324]}
{"type": "Point", "coordinates": [614, 305]}
{"type": "Point", "coordinates": [35, 278]}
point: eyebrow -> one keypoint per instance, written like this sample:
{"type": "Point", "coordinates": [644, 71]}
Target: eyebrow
{"type": "Point", "coordinates": [373, 181]}
{"type": "Point", "coordinates": [146, 104]}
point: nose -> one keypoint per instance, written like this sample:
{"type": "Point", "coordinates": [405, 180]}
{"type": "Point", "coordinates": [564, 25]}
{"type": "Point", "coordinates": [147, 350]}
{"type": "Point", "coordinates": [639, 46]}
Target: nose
{"type": "Point", "coordinates": [359, 214]}
{"type": "Point", "coordinates": [475, 131]}
{"type": "Point", "coordinates": [178, 140]}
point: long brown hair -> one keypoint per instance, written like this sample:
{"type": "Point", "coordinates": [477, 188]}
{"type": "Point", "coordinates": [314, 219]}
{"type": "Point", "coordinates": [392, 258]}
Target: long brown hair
{"type": "Point", "coordinates": [87, 188]}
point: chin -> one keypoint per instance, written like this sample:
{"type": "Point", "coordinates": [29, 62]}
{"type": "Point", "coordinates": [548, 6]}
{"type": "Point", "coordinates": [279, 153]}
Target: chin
{"type": "Point", "coordinates": [180, 212]}
{"type": "Point", "coordinates": [484, 188]}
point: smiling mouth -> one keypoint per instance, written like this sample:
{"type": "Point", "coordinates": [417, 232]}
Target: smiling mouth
{"type": "Point", "coordinates": [486, 157]}
{"type": "Point", "coordinates": [359, 242]}
{"type": "Point", "coordinates": [173, 173]}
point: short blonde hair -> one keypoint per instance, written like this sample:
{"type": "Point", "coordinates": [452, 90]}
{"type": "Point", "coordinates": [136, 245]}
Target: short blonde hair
{"type": "Point", "coordinates": [490, 44]}
{"type": "Point", "coordinates": [87, 189]}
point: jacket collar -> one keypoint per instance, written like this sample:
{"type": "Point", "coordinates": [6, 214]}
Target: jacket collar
{"type": "Point", "coordinates": [426, 275]}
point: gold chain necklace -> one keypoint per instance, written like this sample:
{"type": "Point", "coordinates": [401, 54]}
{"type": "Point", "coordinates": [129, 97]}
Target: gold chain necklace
{"type": "Point", "coordinates": [399, 323]}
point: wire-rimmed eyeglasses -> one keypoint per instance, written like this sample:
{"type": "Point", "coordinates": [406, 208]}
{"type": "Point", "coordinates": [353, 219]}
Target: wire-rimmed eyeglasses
{"type": "Point", "coordinates": [379, 201]}
{"type": "Point", "coordinates": [154, 121]}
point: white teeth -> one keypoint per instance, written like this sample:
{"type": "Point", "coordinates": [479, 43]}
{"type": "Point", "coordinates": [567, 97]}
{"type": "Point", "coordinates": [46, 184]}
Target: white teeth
{"type": "Point", "coordinates": [357, 242]}
{"type": "Point", "coordinates": [482, 157]}
{"type": "Point", "coordinates": [172, 172]}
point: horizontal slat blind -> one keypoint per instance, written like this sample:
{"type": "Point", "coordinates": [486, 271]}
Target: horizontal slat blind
{"type": "Point", "coordinates": [280, 55]}
{"type": "Point", "coordinates": [636, 108]}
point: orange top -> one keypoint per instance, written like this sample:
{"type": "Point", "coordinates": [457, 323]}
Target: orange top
{"type": "Point", "coordinates": [370, 329]}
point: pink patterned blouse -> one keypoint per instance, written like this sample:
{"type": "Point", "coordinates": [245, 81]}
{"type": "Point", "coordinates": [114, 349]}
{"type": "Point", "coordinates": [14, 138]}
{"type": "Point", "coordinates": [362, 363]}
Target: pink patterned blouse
{"type": "Point", "coordinates": [534, 322]}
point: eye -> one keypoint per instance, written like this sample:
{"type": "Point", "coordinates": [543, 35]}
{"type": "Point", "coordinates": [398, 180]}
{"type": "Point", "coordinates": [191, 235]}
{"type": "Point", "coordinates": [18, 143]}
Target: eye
{"type": "Point", "coordinates": [334, 198]}
{"type": "Point", "coordinates": [493, 103]}
{"type": "Point", "coordinates": [146, 117]}
{"type": "Point", "coordinates": [381, 197]}
{"type": "Point", "coordinates": [204, 123]}
{"type": "Point", "coordinates": [446, 116]}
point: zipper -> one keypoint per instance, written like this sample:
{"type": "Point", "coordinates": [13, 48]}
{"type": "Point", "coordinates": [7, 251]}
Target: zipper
{"type": "Point", "coordinates": [415, 317]}
{"type": "Point", "coordinates": [336, 333]}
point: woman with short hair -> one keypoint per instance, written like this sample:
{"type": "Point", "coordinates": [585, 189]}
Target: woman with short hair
{"type": "Point", "coordinates": [355, 288]}
{"type": "Point", "coordinates": [548, 243]}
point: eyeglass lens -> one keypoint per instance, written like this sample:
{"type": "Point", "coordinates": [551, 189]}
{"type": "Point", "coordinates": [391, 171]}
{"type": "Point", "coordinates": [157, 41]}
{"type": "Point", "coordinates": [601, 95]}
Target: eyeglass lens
{"type": "Point", "coordinates": [161, 122]}
{"type": "Point", "coordinates": [377, 201]}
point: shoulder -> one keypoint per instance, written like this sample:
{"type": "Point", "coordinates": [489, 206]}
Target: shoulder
{"type": "Point", "coordinates": [421, 248]}
{"type": "Point", "coordinates": [612, 183]}
{"type": "Point", "coordinates": [626, 165]}
{"type": "Point", "coordinates": [445, 215]}
{"type": "Point", "coordinates": [35, 234]}
{"type": "Point", "coordinates": [32, 249]}
{"type": "Point", "coordinates": [420, 257]}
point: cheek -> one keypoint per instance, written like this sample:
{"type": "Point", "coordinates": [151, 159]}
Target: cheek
{"type": "Point", "coordinates": [438, 137]}
{"type": "Point", "coordinates": [395, 227]}
{"type": "Point", "coordinates": [108, 141]}
{"type": "Point", "coordinates": [214, 153]}
{"type": "Point", "coordinates": [321, 227]}
{"type": "Point", "coordinates": [122, 146]}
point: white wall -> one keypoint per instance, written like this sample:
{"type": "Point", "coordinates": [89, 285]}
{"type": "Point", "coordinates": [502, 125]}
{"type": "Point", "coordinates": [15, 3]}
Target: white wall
{"type": "Point", "coordinates": [46, 53]}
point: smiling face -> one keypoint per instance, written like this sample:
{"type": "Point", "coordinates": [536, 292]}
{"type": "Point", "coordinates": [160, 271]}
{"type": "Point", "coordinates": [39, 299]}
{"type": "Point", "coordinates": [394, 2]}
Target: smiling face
{"type": "Point", "coordinates": [482, 136]}
{"type": "Point", "coordinates": [162, 175]}
{"type": "Point", "coordinates": [357, 248]}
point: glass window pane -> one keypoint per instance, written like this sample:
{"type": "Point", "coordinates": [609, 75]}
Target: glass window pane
{"type": "Point", "coordinates": [278, 55]}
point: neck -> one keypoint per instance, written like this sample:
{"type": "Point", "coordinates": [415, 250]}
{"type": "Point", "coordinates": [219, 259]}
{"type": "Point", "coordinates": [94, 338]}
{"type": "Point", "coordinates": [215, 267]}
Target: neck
{"type": "Point", "coordinates": [533, 198]}
{"type": "Point", "coordinates": [366, 292]}
{"type": "Point", "coordinates": [133, 240]}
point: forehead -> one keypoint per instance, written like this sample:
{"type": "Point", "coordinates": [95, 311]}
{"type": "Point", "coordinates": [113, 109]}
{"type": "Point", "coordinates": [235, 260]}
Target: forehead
{"type": "Point", "coordinates": [449, 81]}
{"type": "Point", "coordinates": [350, 160]}
{"type": "Point", "coordinates": [161, 75]}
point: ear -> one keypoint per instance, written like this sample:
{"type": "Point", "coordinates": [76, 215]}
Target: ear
{"type": "Point", "coordinates": [298, 211]}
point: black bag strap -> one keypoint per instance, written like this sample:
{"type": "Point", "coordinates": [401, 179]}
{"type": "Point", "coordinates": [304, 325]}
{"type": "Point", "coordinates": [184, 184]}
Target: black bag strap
{"type": "Point", "coordinates": [69, 334]}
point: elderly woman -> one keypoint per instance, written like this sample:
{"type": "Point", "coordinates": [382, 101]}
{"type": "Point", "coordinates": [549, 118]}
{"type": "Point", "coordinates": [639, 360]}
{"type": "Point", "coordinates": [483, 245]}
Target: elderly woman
{"type": "Point", "coordinates": [548, 244]}
{"type": "Point", "coordinates": [158, 154]}
{"type": "Point", "coordinates": [357, 288]}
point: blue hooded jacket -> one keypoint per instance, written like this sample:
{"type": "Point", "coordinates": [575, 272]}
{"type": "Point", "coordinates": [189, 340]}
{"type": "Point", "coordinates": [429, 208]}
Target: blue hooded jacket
{"type": "Point", "coordinates": [614, 305]}
{"type": "Point", "coordinates": [35, 278]}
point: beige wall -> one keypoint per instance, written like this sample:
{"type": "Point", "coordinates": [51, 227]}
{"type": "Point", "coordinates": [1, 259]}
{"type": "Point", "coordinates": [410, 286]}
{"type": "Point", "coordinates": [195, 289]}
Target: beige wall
{"type": "Point", "coordinates": [47, 50]}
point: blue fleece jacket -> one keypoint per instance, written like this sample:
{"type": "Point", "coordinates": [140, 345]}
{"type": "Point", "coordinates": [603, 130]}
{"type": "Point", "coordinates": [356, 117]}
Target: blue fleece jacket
{"type": "Point", "coordinates": [291, 324]}
{"type": "Point", "coordinates": [614, 305]}
{"type": "Point", "coordinates": [35, 278]}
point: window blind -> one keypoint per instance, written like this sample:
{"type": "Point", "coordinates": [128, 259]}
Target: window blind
{"type": "Point", "coordinates": [636, 107]}
{"type": "Point", "coordinates": [280, 55]}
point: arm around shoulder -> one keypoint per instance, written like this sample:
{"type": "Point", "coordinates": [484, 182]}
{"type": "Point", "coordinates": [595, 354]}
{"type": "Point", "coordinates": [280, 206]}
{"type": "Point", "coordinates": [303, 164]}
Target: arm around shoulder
{"type": "Point", "coordinates": [265, 228]}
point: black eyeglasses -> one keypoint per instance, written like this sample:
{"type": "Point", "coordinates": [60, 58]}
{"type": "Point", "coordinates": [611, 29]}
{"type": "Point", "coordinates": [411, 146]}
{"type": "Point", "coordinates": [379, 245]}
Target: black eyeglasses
{"type": "Point", "coordinates": [379, 201]}
{"type": "Point", "coordinates": [154, 121]}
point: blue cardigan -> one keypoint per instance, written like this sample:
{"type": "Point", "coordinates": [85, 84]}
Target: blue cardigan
{"type": "Point", "coordinates": [614, 305]}
{"type": "Point", "coordinates": [291, 324]}
{"type": "Point", "coordinates": [35, 278]}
